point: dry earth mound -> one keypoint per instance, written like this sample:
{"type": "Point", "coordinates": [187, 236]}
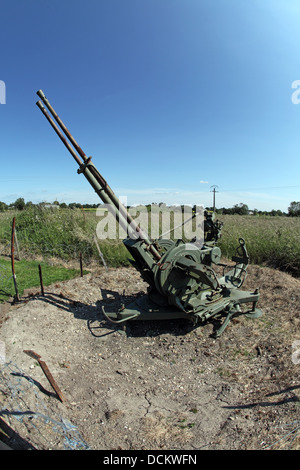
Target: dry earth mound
{"type": "Point", "coordinates": [155, 385]}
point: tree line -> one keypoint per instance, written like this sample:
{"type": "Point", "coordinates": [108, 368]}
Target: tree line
{"type": "Point", "coordinates": [237, 209]}
{"type": "Point", "coordinates": [21, 205]}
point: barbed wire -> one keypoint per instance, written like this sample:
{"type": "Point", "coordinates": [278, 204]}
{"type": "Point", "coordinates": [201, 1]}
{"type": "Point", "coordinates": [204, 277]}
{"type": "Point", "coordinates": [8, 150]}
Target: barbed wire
{"type": "Point", "coordinates": [52, 253]}
{"type": "Point", "coordinates": [287, 441]}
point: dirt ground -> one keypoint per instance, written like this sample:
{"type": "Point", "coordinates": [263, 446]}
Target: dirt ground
{"type": "Point", "coordinates": [159, 385]}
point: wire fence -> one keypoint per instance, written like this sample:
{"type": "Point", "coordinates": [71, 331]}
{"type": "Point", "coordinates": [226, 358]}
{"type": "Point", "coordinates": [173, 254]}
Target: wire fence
{"type": "Point", "coordinates": [6, 276]}
{"type": "Point", "coordinates": [290, 440]}
{"type": "Point", "coordinates": [11, 250]}
{"type": "Point", "coordinates": [25, 420]}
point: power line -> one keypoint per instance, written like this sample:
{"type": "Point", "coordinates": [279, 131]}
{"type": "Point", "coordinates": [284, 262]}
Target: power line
{"type": "Point", "coordinates": [214, 190]}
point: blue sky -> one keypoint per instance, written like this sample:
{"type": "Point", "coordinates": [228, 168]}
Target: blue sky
{"type": "Point", "coordinates": [170, 97]}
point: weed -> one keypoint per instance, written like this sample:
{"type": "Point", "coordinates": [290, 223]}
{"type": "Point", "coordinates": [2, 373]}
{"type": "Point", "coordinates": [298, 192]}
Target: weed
{"type": "Point", "coordinates": [64, 233]}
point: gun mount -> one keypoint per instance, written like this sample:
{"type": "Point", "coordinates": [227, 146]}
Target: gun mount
{"type": "Point", "coordinates": [181, 276]}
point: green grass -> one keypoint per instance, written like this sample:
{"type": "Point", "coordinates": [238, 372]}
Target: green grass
{"type": "Point", "coordinates": [273, 241]}
{"type": "Point", "coordinates": [27, 276]}
{"type": "Point", "coordinates": [64, 233]}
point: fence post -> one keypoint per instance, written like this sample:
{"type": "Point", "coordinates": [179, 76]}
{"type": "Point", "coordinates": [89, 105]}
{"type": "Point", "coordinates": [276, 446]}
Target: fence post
{"type": "Point", "coordinates": [41, 280]}
{"type": "Point", "coordinates": [80, 259]}
{"type": "Point", "coordinates": [13, 258]}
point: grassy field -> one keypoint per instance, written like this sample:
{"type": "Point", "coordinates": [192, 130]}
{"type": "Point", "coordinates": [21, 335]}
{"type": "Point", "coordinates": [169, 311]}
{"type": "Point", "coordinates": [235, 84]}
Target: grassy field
{"type": "Point", "coordinates": [273, 241]}
{"type": "Point", "coordinates": [27, 275]}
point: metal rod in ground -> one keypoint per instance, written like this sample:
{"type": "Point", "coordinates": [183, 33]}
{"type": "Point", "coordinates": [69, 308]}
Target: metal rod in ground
{"type": "Point", "coordinates": [47, 373]}
{"type": "Point", "coordinates": [41, 280]}
{"type": "Point", "coordinates": [13, 258]}
{"type": "Point", "coordinates": [81, 270]}
{"type": "Point", "coordinates": [100, 252]}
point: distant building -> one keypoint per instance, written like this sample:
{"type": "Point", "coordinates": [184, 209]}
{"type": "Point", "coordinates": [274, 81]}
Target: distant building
{"type": "Point", "coordinates": [51, 206]}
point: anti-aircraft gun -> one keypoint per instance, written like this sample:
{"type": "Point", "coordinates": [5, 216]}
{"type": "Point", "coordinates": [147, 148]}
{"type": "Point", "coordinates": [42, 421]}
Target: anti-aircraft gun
{"type": "Point", "coordinates": [181, 276]}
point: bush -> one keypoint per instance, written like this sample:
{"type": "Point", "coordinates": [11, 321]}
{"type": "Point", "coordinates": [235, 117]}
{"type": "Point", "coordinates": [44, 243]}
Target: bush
{"type": "Point", "coordinates": [66, 233]}
{"type": "Point", "coordinates": [53, 232]}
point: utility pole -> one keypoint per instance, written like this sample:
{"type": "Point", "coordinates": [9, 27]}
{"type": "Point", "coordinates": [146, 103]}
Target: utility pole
{"type": "Point", "coordinates": [213, 189]}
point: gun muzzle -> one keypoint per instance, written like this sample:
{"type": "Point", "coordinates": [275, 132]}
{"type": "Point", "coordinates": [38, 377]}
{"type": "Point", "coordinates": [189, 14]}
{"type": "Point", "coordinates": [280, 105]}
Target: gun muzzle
{"type": "Point", "coordinates": [94, 177]}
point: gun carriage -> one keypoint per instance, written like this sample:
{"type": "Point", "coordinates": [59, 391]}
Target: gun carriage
{"type": "Point", "coordinates": [182, 277]}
